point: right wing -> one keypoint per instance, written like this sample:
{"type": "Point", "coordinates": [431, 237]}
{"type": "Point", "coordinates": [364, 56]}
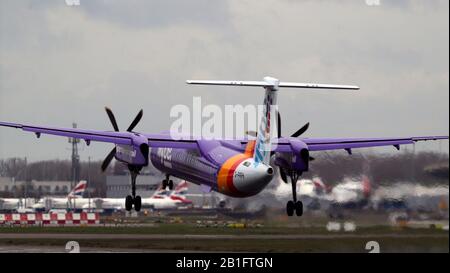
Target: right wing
{"type": "Point", "coordinates": [123, 138]}
{"type": "Point", "coordinates": [88, 135]}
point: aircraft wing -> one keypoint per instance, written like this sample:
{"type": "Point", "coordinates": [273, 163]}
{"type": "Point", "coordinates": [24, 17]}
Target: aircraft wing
{"type": "Point", "coordinates": [166, 140]}
{"type": "Point", "coordinates": [88, 135]}
{"type": "Point", "coordinates": [124, 138]}
{"type": "Point", "coordinates": [325, 144]}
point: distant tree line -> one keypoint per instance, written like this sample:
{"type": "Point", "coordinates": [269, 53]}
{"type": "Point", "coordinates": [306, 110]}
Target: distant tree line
{"type": "Point", "coordinates": [422, 167]}
{"type": "Point", "coordinates": [332, 167]}
{"type": "Point", "coordinates": [61, 170]}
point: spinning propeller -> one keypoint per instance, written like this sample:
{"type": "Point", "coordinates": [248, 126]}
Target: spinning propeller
{"type": "Point", "coordinates": [133, 124]}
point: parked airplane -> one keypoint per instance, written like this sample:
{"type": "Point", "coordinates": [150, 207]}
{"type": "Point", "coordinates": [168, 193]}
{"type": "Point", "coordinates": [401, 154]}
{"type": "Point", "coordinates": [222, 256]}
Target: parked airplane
{"type": "Point", "coordinates": [161, 199]}
{"type": "Point", "coordinates": [237, 168]}
{"type": "Point", "coordinates": [8, 204]}
{"type": "Point", "coordinates": [73, 200]}
{"type": "Point", "coordinates": [352, 193]}
{"type": "Point", "coordinates": [19, 204]}
{"type": "Point", "coordinates": [313, 193]}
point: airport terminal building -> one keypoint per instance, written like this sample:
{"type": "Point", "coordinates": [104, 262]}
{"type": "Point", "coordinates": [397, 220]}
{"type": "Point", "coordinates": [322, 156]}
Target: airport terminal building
{"type": "Point", "coordinates": [11, 188]}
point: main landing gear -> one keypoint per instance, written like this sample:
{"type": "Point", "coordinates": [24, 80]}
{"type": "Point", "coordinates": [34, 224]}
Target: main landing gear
{"type": "Point", "coordinates": [132, 199]}
{"type": "Point", "coordinates": [294, 205]}
{"type": "Point", "coordinates": [167, 183]}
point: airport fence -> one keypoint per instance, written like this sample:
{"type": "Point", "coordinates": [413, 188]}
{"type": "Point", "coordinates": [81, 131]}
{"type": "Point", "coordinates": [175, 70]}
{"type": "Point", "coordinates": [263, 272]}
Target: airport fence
{"type": "Point", "coordinates": [49, 219]}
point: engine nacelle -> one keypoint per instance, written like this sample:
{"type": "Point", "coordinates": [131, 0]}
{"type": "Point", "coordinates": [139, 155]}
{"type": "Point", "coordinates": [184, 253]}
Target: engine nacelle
{"type": "Point", "coordinates": [298, 160]}
{"type": "Point", "coordinates": [135, 154]}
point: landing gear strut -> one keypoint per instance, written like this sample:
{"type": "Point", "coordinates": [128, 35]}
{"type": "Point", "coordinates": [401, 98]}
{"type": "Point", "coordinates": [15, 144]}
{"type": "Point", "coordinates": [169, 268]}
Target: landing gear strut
{"type": "Point", "coordinates": [132, 199]}
{"type": "Point", "coordinates": [167, 183]}
{"type": "Point", "coordinates": [294, 205]}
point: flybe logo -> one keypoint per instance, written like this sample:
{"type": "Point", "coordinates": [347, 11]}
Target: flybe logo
{"type": "Point", "coordinates": [121, 150]}
{"type": "Point", "coordinates": [165, 154]}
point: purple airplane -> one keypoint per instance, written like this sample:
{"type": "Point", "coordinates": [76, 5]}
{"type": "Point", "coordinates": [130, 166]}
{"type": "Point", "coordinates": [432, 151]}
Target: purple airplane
{"type": "Point", "coordinates": [237, 168]}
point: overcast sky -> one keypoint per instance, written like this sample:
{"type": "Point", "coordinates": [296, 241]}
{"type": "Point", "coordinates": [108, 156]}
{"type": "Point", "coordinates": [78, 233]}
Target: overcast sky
{"type": "Point", "coordinates": [60, 64]}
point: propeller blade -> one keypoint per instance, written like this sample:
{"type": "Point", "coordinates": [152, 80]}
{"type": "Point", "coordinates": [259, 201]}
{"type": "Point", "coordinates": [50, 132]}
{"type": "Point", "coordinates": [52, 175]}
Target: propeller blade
{"type": "Point", "coordinates": [112, 119]}
{"type": "Point", "coordinates": [108, 159]}
{"type": "Point", "coordinates": [301, 130]}
{"type": "Point", "coordinates": [279, 124]}
{"type": "Point", "coordinates": [135, 121]}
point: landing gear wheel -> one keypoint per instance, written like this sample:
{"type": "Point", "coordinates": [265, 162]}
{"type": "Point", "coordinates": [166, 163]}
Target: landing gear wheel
{"type": "Point", "coordinates": [137, 203]}
{"type": "Point", "coordinates": [290, 206]}
{"type": "Point", "coordinates": [170, 184]}
{"type": "Point", "coordinates": [128, 203]}
{"type": "Point", "coordinates": [299, 208]}
{"type": "Point", "coordinates": [164, 184]}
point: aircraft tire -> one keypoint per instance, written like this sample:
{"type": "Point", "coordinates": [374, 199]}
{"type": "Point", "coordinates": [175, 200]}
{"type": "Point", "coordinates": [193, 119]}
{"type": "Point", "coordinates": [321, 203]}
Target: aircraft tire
{"type": "Point", "coordinates": [128, 203]}
{"type": "Point", "coordinates": [164, 184]}
{"type": "Point", "coordinates": [290, 208]}
{"type": "Point", "coordinates": [299, 208]}
{"type": "Point", "coordinates": [137, 203]}
{"type": "Point", "coordinates": [170, 184]}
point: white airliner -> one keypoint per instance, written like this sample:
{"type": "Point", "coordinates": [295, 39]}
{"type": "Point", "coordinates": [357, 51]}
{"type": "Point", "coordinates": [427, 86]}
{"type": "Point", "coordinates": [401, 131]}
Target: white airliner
{"type": "Point", "coordinates": [352, 193]}
{"type": "Point", "coordinates": [72, 200]}
{"type": "Point", "coordinates": [19, 204]}
{"type": "Point", "coordinates": [10, 203]}
{"type": "Point", "coordinates": [313, 192]}
{"type": "Point", "coordinates": [161, 199]}
{"type": "Point", "coordinates": [316, 195]}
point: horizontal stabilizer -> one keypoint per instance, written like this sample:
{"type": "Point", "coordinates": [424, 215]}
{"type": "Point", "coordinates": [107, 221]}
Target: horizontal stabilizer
{"type": "Point", "coordinates": [274, 83]}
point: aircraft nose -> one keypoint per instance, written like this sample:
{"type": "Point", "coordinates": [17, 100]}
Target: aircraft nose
{"type": "Point", "coordinates": [250, 179]}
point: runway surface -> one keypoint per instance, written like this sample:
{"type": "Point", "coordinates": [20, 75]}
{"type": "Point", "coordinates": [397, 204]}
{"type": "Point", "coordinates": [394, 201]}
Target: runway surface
{"type": "Point", "coordinates": [61, 249]}
{"type": "Point", "coordinates": [208, 237]}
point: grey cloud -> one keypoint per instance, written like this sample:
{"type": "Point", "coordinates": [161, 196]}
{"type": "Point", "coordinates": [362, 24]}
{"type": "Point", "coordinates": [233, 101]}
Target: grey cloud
{"type": "Point", "coordinates": [60, 64]}
{"type": "Point", "coordinates": [135, 13]}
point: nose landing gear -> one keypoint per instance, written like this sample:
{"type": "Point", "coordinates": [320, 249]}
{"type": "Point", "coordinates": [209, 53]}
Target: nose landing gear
{"type": "Point", "coordinates": [294, 205]}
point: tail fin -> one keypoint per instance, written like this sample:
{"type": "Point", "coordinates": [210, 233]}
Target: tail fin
{"type": "Point", "coordinates": [271, 85]}
{"type": "Point", "coordinates": [180, 193]}
{"type": "Point", "coordinates": [78, 190]}
{"type": "Point", "coordinates": [263, 139]}
{"type": "Point", "coordinates": [319, 185]}
{"type": "Point", "coordinates": [181, 188]}
{"type": "Point", "coordinates": [367, 186]}
{"type": "Point", "coordinates": [160, 193]}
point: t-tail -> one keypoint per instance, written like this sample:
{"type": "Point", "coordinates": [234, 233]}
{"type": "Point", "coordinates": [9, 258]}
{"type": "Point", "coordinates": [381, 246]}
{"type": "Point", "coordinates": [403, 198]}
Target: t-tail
{"type": "Point", "coordinates": [180, 192]}
{"type": "Point", "coordinates": [78, 190]}
{"type": "Point", "coordinates": [160, 193]}
{"type": "Point", "coordinates": [270, 108]}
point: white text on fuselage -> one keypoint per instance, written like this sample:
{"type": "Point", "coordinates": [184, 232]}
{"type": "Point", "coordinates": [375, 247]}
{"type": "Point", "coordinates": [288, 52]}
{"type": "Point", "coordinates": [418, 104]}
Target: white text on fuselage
{"type": "Point", "coordinates": [165, 155]}
{"type": "Point", "coordinates": [125, 151]}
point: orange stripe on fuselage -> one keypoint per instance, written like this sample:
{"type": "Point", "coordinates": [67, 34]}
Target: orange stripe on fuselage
{"type": "Point", "coordinates": [226, 172]}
